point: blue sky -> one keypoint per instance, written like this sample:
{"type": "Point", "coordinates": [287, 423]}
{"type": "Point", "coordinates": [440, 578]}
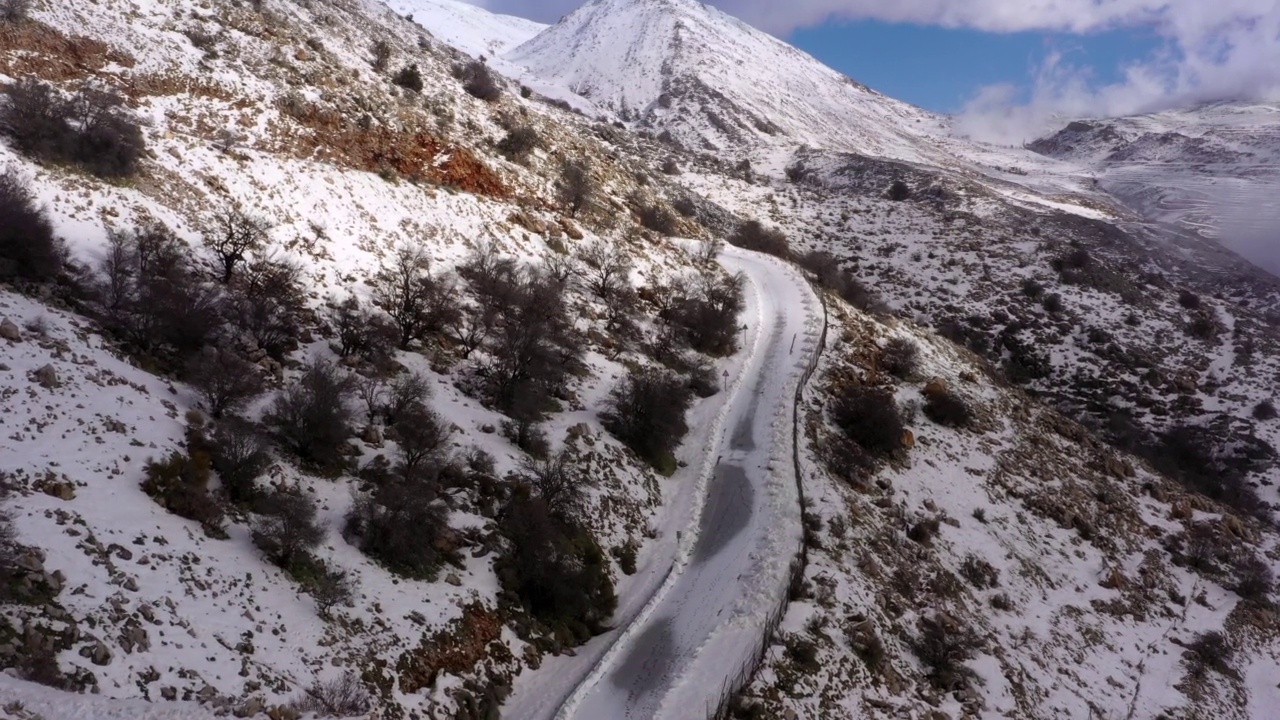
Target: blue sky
{"type": "Point", "coordinates": [942, 69]}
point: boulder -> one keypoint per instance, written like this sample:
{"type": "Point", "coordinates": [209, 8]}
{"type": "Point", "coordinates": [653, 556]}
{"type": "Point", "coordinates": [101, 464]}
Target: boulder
{"type": "Point", "coordinates": [10, 332]}
{"type": "Point", "coordinates": [936, 386]}
{"type": "Point", "coordinates": [47, 376]}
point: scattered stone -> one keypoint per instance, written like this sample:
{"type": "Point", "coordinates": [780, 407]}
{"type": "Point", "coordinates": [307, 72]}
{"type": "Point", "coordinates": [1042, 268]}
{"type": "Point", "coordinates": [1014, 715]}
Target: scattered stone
{"type": "Point", "coordinates": [570, 229]}
{"type": "Point", "coordinates": [250, 708]}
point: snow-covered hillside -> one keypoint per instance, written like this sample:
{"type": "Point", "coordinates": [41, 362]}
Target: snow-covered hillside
{"type": "Point", "coordinates": [1214, 170]}
{"type": "Point", "coordinates": [1095, 496]}
{"type": "Point", "coordinates": [468, 27]}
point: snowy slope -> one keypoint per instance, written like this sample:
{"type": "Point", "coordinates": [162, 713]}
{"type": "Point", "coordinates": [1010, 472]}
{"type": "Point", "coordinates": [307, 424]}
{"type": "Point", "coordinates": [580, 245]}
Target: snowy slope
{"type": "Point", "coordinates": [712, 81]}
{"type": "Point", "coordinates": [1213, 169]}
{"type": "Point", "coordinates": [468, 27]}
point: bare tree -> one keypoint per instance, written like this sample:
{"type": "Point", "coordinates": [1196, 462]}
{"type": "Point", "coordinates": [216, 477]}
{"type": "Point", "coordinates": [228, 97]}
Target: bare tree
{"type": "Point", "coordinates": [710, 249]}
{"type": "Point", "coordinates": [555, 480]}
{"type": "Point", "coordinates": [577, 189]}
{"type": "Point", "coordinates": [417, 303]}
{"type": "Point", "coordinates": [606, 268]}
{"type": "Point", "coordinates": [232, 234]}
{"type": "Point", "coordinates": [288, 532]}
{"type": "Point", "coordinates": [421, 435]}
{"type": "Point", "coordinates": [381, 51]}
{"type": "Point", "coordinates": [224, 380]}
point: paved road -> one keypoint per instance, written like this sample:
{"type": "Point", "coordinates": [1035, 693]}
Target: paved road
{"type": "Point", "coordinates": [725, 582]}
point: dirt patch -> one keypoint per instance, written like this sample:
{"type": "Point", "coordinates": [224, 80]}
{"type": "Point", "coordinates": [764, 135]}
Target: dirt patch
{"type": "Point", "coordinates": [455, 650]}
{"type": "Point", "coordinates": [329, 135]}
{"type": "Point", "coordinates": [33, 48]}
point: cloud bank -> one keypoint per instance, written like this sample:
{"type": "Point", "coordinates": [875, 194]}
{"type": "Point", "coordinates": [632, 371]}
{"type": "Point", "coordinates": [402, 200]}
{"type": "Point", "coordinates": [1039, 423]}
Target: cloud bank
{"type": "Point", "coordinates": [1214, 50]}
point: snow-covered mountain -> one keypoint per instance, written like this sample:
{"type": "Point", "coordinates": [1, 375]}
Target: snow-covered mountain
{"type": "Point", "coordinates": [713, 82]}
{"type": "Point", "coordinates": [1214, 170]}
{"type": "Point", "coordinates": [468, 27]}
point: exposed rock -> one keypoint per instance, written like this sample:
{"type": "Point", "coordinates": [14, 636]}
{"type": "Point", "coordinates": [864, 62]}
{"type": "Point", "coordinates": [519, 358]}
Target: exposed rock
{"type": "Point", "coordinates": [579, 430]}
{"type": "Point", "coordinates": [453, 579]}
{"type": "Point", "coordinates": [372, 436]}
{"type": "Point", "coordinates": [10, 332]}
{"type": "Point", "coordinates": [936, 386]}
{"type": "Point", "coordinates": [47, 376]}
{"type": "Point", "coordinates": [908, 439]}
{"type": "Point", "coordinates": [570, 229]}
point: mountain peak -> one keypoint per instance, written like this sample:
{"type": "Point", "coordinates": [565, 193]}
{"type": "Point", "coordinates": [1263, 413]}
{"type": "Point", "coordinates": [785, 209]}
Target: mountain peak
{"type": "Point", "coordinates": [712, 82]}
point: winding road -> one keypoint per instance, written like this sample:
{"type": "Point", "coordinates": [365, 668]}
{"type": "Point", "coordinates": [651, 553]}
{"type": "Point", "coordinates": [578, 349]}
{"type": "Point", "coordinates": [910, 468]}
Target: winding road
{"type": "Point", "coordinates": [674, 659]}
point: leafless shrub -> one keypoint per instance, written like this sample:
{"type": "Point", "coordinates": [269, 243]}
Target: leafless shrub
{"type": "Point", "coordinates": [479, 82]}
{"type": "Point", "coordinates": [14, 11]}
{"type": "Point", "coordinates": [232, 234]}
{"type": "Point", "coordinates": [343, 696]}
{"type": "Point", "coordinates": [979, 572]}
{"type": "Point", "coordinates": [224, 380]}
{"type": "Point", "coordinates": [900, 357]}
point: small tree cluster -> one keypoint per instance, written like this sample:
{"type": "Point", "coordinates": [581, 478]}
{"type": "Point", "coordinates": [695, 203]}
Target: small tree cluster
{"type": "Point", "coordinates": [702, 313]}
{"type": "Point", "coordinates": [556, 569]}
{"type": "Point", "coordinates": [400, 526]}
{"type": "Point", "coordinates": [381, 52]}
{"type": "Point", "coordinates": [311, 417]}
{"type": "Point", "coordinates": [869, 417]}
{"type": "Point", "coordinates": [1209, 651]}
{"type": "Point", "coordinates": [152, 297]}
{"type": "Point", "coordinates": [92, 128]}
{"type": "Point", "coordinates": [657, 217]}
{"type": "Point", "coordinates": [266, 303]}
{"type": "Point", "coordinates": [646, 411]}
{"type": "Point", "coordinates": [898, 191]}
{"type": "Point", "coordinates": [287, 530]}
{"type": "Point", "coordinates": [479, 82]}
{"type": "Point", "coordinates": [527, 333]}
{"type": "Point", "coordinates": [1265, 410]}
{"type": "Point", "coordinates": [28, 248]}
{"type": "Point", "coordinates": [361, 332]}
{"type": "Point", "coordinates": [752, 235]}
{"type": "Point", "coordinates": [841, 281]}
{"type": "Point", "coordinates": [556, 481]}
{"type": "Point", "coordinates": [239, 456]}
{"type": "Point", "coordinates": [224, 380]}
{"type": "Point", "coordinates": [9, 547]}
{"type": "Point", "coordinates": [232, 235]}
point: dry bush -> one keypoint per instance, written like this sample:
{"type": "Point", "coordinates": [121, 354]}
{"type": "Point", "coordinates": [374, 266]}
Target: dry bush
{"type": "Point", "coordinates": [752, 235]}
{"type": "Point", "coordinates": [180, 484]}
{"type": "Point", "coordinates": [900, 357]}
{"type": "Point", "coordinates": [947, 408]}
{"type": "Point", "coordinates": [479, 82]}
{"type": "Point", "coordinates": [343, 696]}
{"type": "Point", "coordinates": [869, 417]}
{"type": "Point", "coordinates": [28, 248]}
{"type": "Point", "coordinates": [14, 11]}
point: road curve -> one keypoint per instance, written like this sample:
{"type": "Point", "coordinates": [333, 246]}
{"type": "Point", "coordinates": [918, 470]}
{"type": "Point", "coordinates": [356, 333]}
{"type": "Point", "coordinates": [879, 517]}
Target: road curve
{"type": "Point", "coordinates": [732, 572]}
